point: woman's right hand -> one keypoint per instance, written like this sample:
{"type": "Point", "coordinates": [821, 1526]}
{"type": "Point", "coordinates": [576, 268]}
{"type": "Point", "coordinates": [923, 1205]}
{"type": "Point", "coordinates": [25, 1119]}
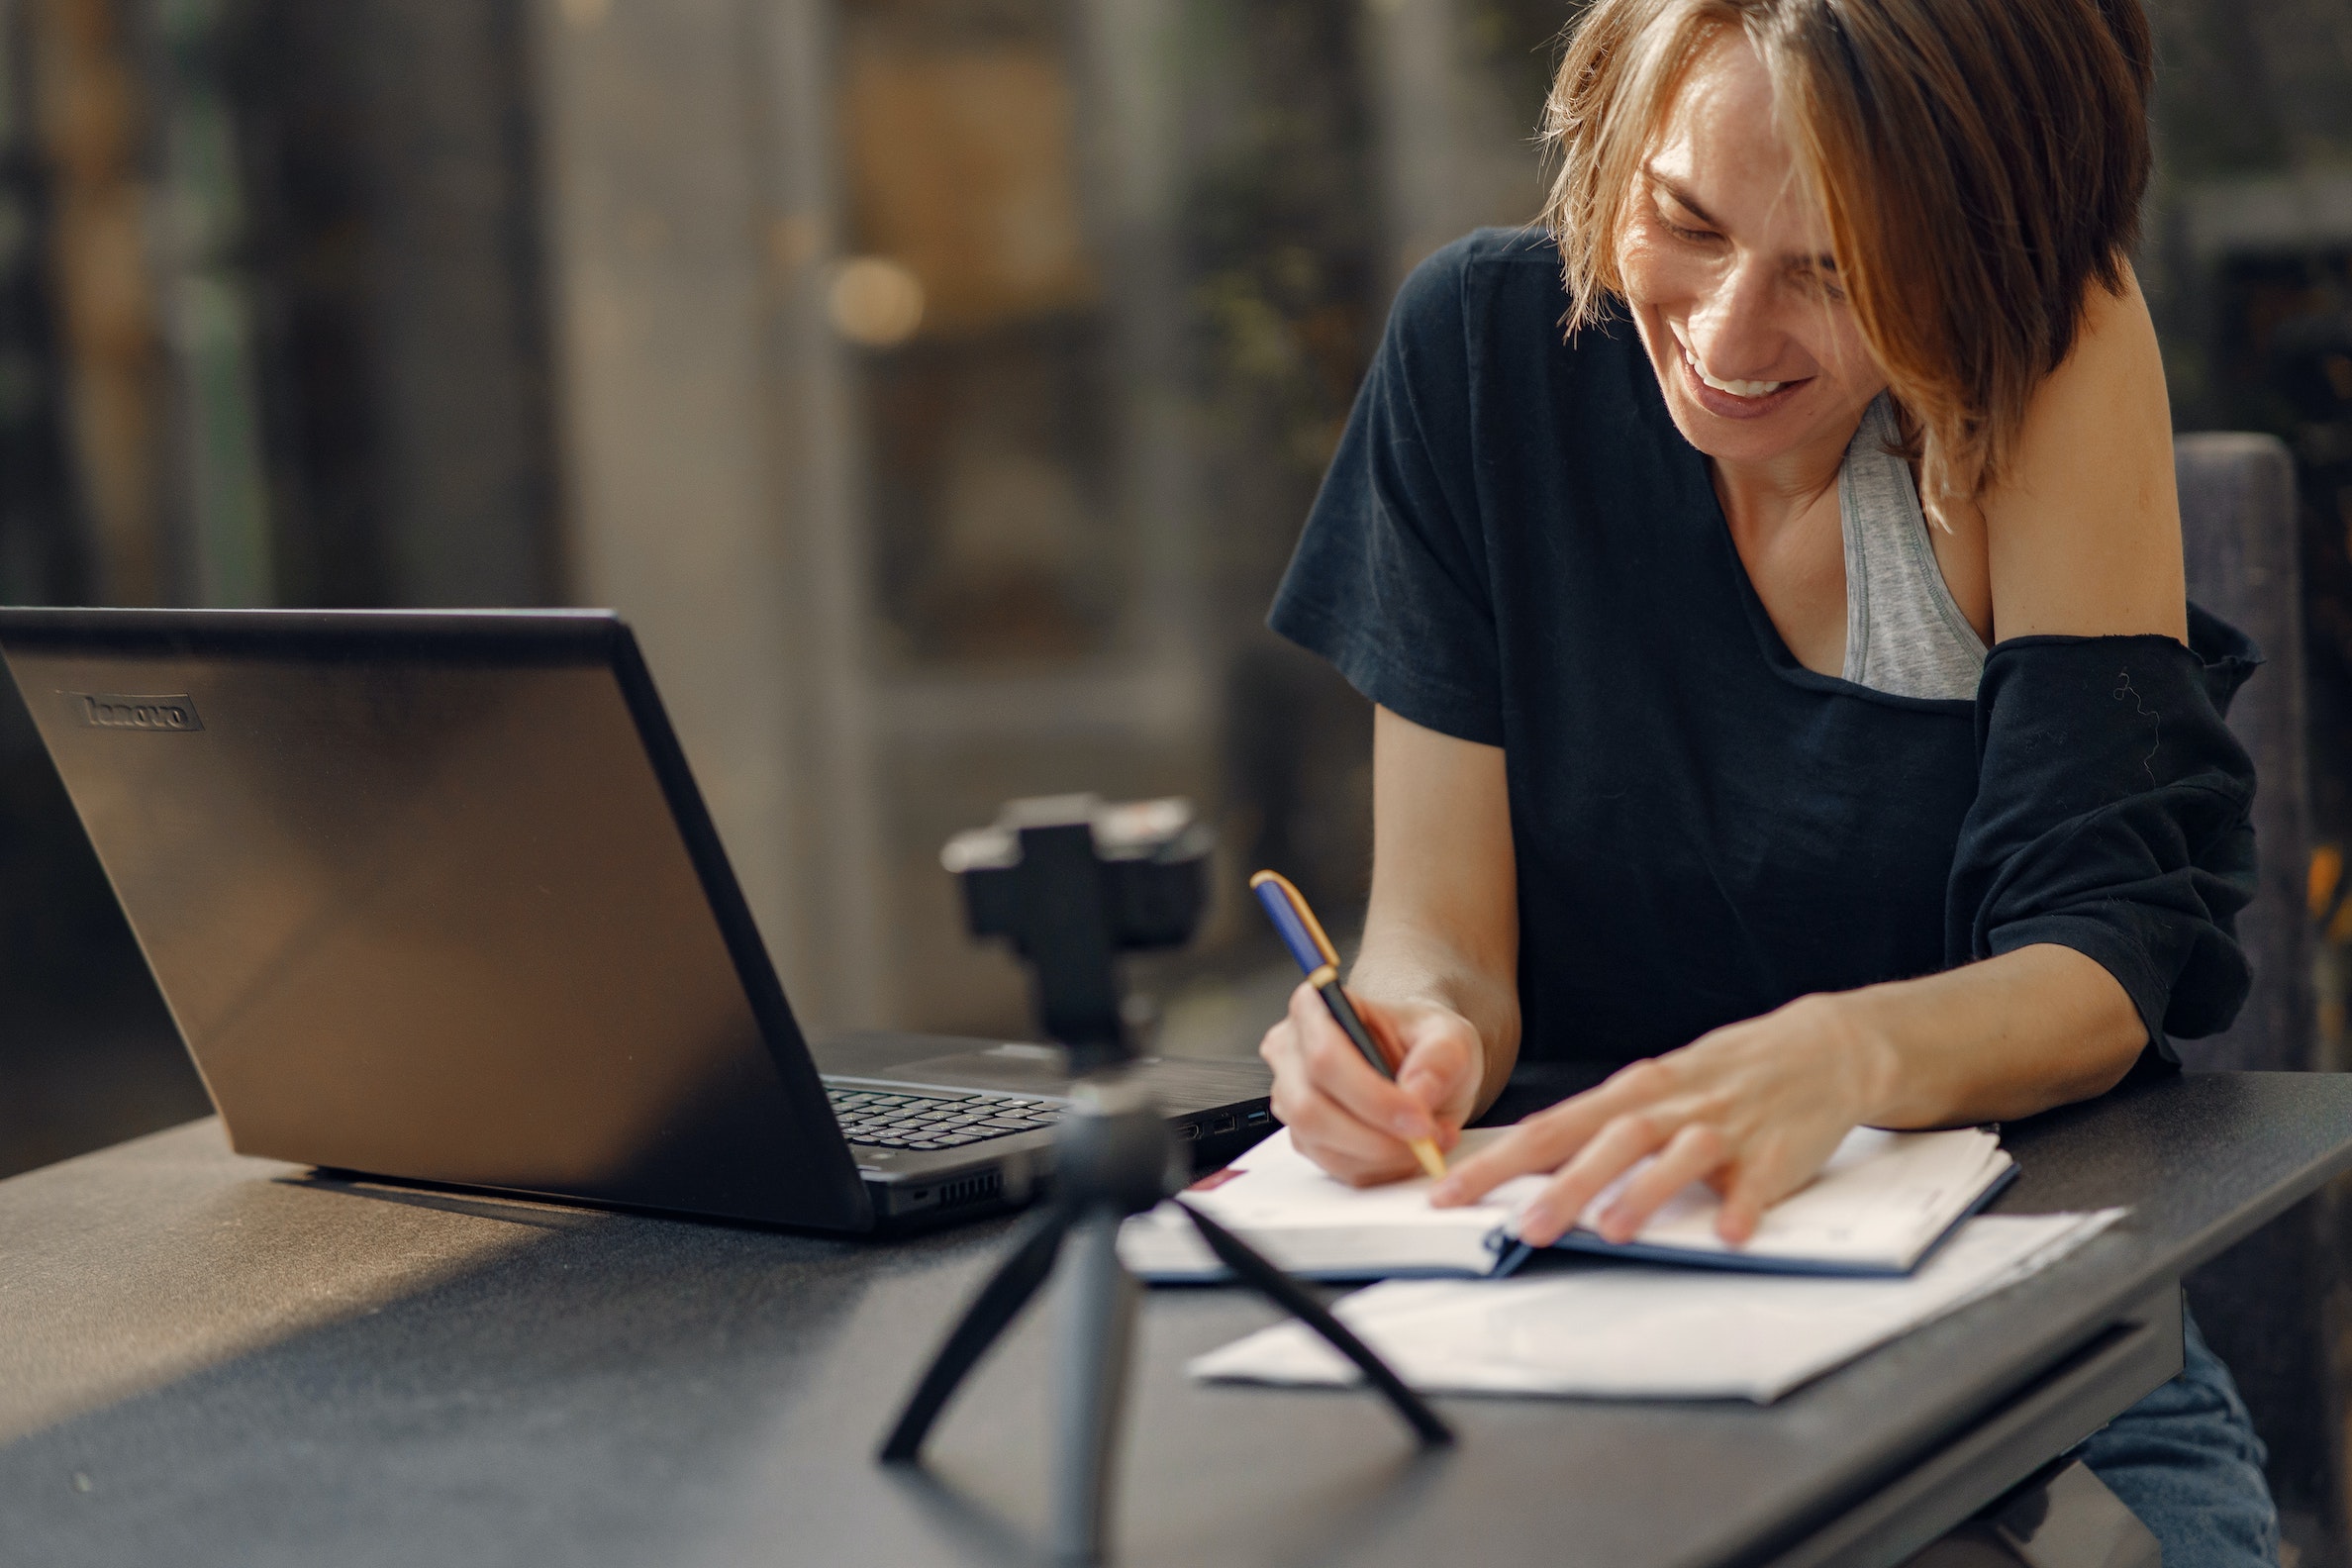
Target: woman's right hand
{"type": "Point", "coordinates": [1347, 1117]}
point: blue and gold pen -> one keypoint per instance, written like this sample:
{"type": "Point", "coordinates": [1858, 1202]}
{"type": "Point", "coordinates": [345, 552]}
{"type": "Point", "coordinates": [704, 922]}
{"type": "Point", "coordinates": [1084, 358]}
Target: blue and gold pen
{"type": "Point", "coordinates": [1303, 936]}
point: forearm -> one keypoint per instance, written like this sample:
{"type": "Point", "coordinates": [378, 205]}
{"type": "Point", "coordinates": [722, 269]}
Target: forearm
{"type": "Point", "coordinates": [1757, 1105]}
{"type": "Point", "coordinates": [2042, 1026]}
{"type": "Point", "coordinates": [1404, 962]}
{"type": "Point", "coordinates": [1442, 926]}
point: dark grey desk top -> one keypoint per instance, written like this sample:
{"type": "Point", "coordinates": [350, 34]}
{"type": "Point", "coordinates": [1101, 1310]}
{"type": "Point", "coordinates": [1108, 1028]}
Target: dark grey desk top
{"type": "Point", "coordinates": [205, 1359]}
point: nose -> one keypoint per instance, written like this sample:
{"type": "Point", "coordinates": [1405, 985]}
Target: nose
{"type": "Point", "coordinates": [1731, 329]}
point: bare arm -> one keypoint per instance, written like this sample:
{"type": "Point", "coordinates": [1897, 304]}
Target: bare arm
{"type": "Point", "coordinates": [1438, 975]}
{"type": "Point", "coordinates": [2083, 536]}
{"type": "Point", "coordinates": [1444, 922]}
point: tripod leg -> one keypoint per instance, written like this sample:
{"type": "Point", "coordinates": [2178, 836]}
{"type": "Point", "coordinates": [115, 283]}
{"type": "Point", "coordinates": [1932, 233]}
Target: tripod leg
{"type": "Point", "coordinates": [1284, 1292]}
{"type": "Point", "coordinates": [1000, 1300]}
{"type": "Point", "coordinates": [1103, 1305]}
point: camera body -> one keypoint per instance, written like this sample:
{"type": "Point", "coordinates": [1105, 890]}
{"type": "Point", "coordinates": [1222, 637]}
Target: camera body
{"type": "Point", "coordinates": [1073, 882]}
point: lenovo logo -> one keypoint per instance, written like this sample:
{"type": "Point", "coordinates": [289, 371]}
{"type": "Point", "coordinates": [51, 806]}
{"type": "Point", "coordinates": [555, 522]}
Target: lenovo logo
{"type": "Point", "coordinates": [110, 711]}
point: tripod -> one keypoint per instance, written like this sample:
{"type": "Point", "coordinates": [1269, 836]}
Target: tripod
{"type": "Point", "coordinates": [1072, 883]}
{"type": "Point", "coordinates": [1114, 1156]}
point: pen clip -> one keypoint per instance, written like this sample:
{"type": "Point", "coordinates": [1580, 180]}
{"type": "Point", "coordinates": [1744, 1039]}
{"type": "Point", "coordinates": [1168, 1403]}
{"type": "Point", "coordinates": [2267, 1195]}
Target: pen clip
{"type": "Point", "coordinates": [1294, 903]}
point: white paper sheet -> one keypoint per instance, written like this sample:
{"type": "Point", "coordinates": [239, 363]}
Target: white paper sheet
{"type": "Point", "coordinates": [1636, 1331]}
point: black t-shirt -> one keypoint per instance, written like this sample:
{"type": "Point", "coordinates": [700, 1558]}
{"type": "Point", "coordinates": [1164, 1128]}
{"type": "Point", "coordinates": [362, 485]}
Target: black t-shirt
{"type": "Point", "coordinates": [1516, 546]}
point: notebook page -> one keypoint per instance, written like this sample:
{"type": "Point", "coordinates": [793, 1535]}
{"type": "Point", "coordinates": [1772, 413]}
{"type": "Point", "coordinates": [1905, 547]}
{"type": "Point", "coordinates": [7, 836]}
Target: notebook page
{"type": "Point", "coordinates": [1311, 1222]}
{"type": "Point", "coordinates": [1879, 1202]}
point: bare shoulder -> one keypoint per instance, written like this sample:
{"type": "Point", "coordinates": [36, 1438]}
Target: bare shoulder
{"type": "Point", "coordinates": [2083, 536]}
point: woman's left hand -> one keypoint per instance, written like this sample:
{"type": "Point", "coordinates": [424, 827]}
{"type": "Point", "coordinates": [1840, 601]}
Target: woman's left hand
{"type": "Point", "coordinates": [1753, 1109]}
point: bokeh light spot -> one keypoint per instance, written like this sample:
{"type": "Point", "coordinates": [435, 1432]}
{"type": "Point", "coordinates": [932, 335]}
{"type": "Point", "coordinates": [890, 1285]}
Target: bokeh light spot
{"type": "Point", "coordinates": [875, 301]}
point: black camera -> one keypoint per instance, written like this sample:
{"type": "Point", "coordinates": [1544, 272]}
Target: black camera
{"type": "Point", "coordinates": [1073, 882]}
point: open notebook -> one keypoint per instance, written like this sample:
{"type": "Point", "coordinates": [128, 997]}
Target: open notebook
{"type": "Point", "coordinates": [1880, 1205]}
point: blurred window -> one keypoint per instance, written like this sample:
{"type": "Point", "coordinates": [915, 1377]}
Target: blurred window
{"type": "Point", "coordinates": [978, 305]}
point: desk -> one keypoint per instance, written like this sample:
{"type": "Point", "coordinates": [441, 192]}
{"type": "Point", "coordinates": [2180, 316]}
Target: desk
{"type": "Point", "coordinates": [206, 1359]}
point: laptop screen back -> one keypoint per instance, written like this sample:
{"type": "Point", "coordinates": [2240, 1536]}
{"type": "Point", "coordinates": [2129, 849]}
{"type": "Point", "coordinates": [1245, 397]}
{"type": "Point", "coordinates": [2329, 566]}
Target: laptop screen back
{"type": "Point", "coordinates": [422, 903]}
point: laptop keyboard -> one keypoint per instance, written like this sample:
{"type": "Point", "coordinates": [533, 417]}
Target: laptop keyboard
{"type": "Point", "coordinates": [882, 1120]}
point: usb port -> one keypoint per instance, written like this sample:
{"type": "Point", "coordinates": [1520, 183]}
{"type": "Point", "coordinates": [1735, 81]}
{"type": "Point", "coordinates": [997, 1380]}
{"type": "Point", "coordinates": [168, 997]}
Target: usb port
{"type": "Point", "coordinates": [1222, 1123]}
{"type": "Point", "coordinates": [1257, 1118]}
{"type": "Point", "coordinates": [1188, 1132]}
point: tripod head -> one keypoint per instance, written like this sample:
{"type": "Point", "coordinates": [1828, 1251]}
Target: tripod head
{"type": "Point", "coordinates": [1074, 883]}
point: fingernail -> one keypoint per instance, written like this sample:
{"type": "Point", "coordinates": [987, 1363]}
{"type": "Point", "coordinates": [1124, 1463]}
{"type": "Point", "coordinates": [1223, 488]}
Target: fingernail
{"type": "Point", "coordinates": [1448, 1191]}
{"type": "Point", "coordinates": [1411, 1126]}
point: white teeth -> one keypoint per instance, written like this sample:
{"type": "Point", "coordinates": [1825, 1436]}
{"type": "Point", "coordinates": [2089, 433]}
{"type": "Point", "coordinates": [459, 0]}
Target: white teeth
{"type": "Point", "coordinates": [1745, 389]}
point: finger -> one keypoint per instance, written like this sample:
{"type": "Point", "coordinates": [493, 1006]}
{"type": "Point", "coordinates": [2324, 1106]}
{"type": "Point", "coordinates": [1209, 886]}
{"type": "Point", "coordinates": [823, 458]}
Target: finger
{"type": "Point", "coordinates": [1336, 1067]}
{"type": "Point", "coordinates": [1382, 1031]}
{"type": "Point", "coordinates": [1549, 1139]}
{"type": "Point", "coordinates": [1320, 1126]}
{"type": "Point", "coordinates": [1374, 1166]}
{"type": "Point", "coordinates": [1556, 1210]}
{"type": "Point", "coordinates": [1344, 1146]}
{"type": "Point", "coordinates": [1756, 1184]}
{"type": "Point", "coordinates": [1537, 1143]}
{"type": "Point", "coordinates": [1742, 1211]}
{"type": "Point", "coordinates": [1690, 1156]}
{"type": "Point", "coordinates": [1542, 1142]}
{"type": "Point", "coordinates": [1279, 1049]}
{"type": "Point", "coordinates": [1441, 1063]}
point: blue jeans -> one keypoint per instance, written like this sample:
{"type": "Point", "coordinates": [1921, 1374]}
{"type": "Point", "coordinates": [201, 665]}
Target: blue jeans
{"type": "Point", "coordinates": [2185, 1460]}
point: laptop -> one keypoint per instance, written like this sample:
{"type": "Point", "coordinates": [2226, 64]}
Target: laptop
{"type": "Point", "coordinates": [432, 898]}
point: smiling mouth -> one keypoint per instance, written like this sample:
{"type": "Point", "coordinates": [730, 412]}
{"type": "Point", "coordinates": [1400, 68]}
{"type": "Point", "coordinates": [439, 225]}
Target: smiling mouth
{"type": "Point", "coordinates": [1737, 389]}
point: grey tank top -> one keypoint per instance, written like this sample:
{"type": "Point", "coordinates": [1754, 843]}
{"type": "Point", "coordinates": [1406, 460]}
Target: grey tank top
{"type": "Point", "coordinates": [1904, 633]}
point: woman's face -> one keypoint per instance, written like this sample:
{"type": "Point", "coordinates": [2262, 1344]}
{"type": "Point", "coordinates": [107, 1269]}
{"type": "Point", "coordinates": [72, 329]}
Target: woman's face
{"type": "Point", "coordinates": [1726, 264]}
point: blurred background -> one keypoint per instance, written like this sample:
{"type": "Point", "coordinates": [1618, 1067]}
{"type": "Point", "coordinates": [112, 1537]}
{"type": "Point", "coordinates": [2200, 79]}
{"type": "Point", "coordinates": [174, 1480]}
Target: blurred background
{"type": "Point", "coordinates": [936, 385]}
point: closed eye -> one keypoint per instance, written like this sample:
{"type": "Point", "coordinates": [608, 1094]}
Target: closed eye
{"type": "Point", "coordinates": [1821, 275]}
{"type": "Point", "coordinates": [1668, 198]}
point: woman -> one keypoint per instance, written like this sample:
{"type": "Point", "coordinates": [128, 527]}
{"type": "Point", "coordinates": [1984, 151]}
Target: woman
{"type": "Point", "coordinates": [1702, 744]}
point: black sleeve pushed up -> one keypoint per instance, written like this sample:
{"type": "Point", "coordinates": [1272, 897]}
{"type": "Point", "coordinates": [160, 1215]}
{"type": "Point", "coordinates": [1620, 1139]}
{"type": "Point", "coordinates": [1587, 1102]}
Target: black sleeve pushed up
{"type": "Point", "coordinates": [2111, 816]}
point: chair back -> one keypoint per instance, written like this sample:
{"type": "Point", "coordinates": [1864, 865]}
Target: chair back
{"type": "Point", "coordinates": [2238, 530]}
{"type": "Point", "coordinates": [2263, 1303]}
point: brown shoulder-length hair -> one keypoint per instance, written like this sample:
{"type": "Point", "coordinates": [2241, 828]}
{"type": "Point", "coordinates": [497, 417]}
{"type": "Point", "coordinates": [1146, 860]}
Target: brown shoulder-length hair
{"type": "Point", "coordinates": [1979, 163]}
